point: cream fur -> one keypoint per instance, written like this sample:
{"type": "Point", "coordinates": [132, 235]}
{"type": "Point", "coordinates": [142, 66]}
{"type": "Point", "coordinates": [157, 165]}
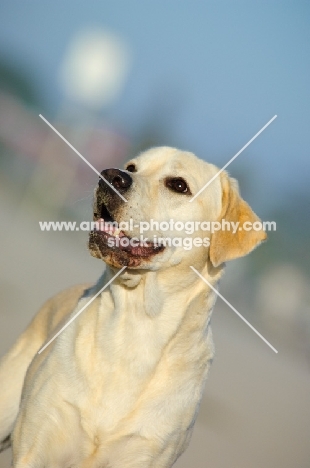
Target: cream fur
{"type": "Point", "coordinates": [121, 386]}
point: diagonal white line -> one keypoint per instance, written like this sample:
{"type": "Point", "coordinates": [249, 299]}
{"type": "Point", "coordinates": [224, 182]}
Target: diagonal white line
{"type": "Point", "coordinates": [234, 157]}
{"type": "Point", "coordinates": [82, 157]}
{"type": "Point", "coordinates": [81, 310]}
{"type": "Point", "coordinates": [235, 310]}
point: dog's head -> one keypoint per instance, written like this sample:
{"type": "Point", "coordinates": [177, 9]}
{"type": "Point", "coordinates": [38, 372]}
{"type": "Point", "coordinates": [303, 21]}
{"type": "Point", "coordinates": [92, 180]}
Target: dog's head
{"type": "Point", "coordinates": [158, 186]}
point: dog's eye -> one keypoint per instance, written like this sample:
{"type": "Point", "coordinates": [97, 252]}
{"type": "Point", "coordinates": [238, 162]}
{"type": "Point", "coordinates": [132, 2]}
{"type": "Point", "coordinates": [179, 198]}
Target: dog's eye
{"type": "Point", "coordinates": [131, 168]}
{"type": "Point", "coordinates": [177, 184]}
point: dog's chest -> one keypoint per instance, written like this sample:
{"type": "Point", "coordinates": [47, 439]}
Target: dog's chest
{"type": "Point", "coordinates": [122, 356]}
{"type": "Point", "coordinates": [116, 364]}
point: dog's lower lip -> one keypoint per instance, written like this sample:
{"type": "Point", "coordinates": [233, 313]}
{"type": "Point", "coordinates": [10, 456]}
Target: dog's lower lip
{"type": "Point", "coordinates": [107, 232]}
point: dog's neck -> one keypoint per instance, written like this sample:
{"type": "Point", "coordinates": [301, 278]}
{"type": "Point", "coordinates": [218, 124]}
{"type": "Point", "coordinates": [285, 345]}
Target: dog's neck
{"type": "Point", "coordinates": [156, 291]}
{"type": "Point", "coordinates": [154, 318]}
{"type": "Point", "coordinates": [146, 332]}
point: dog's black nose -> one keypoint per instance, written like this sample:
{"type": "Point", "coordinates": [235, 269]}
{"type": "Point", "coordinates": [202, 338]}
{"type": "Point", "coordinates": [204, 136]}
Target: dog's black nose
{"type": "Point", "coordinates": [119, 179]}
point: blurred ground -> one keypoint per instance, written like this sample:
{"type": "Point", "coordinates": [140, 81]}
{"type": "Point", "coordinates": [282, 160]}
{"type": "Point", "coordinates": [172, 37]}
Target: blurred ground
{"type": "Point", "coordinates": [255, 412]}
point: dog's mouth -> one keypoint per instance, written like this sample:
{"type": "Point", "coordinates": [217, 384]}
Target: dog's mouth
{"type": "Point", "coordinates": [117, 248]}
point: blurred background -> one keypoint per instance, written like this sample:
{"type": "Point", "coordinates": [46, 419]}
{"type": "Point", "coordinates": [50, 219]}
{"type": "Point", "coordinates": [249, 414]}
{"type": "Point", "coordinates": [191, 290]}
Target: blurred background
{"type": "Point", "coordinates": [116, 77]}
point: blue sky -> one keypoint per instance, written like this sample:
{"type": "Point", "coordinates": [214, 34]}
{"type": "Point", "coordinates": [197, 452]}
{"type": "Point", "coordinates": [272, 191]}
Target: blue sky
{"type": "Point", "coordinates": [214, 73]}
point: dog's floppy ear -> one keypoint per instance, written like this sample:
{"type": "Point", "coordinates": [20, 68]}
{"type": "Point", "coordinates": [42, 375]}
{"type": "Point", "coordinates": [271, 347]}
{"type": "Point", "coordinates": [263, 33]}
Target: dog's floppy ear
{"type": "Point", "coordinates": [225, 245]}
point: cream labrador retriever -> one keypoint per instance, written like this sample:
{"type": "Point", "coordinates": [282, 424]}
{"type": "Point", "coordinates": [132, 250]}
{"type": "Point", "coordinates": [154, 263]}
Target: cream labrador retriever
{"type": "Point", "coordinates": [121, 386]}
